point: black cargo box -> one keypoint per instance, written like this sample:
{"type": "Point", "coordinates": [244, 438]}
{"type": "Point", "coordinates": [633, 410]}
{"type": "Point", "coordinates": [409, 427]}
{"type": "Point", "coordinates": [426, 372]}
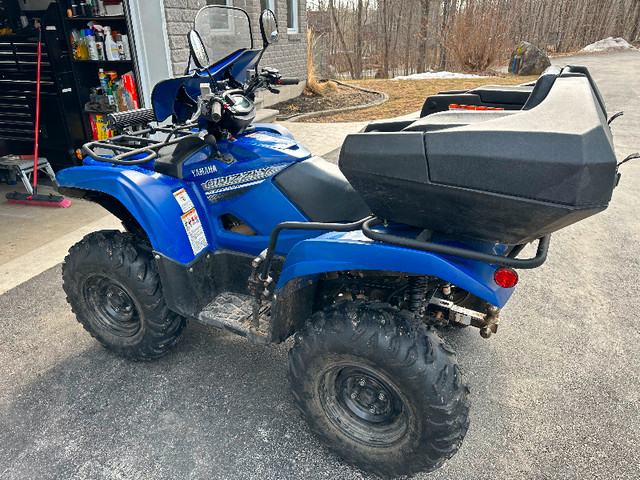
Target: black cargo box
{"type": "Point", "coordinates": [504, 176]}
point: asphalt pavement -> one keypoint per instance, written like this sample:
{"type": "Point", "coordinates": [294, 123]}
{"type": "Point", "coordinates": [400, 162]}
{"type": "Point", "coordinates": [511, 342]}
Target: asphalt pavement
{"type": "Point", "coordinates": [555, 394]}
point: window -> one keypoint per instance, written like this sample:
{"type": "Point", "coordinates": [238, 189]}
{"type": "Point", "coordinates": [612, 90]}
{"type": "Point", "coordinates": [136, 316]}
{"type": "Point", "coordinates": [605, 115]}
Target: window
{"type": "Point", "coordinates": [292, 16]}
{"type": "Point", "coordinates": [220, 2]}
{"type": "Point", "coordinates": [264, 4]}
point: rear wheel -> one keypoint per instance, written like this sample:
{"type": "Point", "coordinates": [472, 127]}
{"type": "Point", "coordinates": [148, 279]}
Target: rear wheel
{"type": "Point", "coordinates": [113, 286]}
{"type": "Point", "coordinates": [382, 391]}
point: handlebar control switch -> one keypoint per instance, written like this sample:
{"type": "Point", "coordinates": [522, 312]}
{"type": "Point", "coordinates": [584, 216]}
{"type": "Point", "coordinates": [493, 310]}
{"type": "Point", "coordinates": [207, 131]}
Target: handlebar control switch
{"type": "Point", "coordinates": [210, 105]}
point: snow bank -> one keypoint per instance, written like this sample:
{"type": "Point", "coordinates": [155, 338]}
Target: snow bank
{"type": "Point", "coordinates": [609, 45]}
{"type": "Point", "coordinates": [423, 76]}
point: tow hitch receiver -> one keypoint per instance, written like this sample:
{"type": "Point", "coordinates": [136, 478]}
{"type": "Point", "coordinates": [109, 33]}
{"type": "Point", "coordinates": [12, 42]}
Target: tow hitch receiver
{"type": "Point", "coordinates": [487, 322]}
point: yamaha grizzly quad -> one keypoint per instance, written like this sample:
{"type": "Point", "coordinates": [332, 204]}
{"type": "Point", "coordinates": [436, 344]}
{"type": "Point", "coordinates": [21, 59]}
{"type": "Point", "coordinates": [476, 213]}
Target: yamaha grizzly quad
{"type": "Point", "coordinates": [421, 225]}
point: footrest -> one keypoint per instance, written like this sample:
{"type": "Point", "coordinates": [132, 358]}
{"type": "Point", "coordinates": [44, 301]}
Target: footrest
{"type": "Point", "coordinates": [234, 312]}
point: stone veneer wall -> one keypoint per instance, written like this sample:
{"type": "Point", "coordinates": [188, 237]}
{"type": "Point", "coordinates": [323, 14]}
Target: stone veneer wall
{"type": "Point", "coordinates": [289, 54]}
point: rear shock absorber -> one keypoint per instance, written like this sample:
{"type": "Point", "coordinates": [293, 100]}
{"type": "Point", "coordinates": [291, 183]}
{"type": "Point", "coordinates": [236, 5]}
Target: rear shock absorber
{"type": "Point", "coordinates": [417, 289]}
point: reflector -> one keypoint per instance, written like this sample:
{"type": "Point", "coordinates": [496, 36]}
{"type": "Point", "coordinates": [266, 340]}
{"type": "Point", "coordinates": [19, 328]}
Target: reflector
{"type": "Point", "coordinates": [506, 277]}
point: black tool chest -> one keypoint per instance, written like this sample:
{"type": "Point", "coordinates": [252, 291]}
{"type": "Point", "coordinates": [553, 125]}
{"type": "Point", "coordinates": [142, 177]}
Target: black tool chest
{"type": "Point", "coordinates": [61, 129]}
{"type": "Point", "coordinates": [65, 124]}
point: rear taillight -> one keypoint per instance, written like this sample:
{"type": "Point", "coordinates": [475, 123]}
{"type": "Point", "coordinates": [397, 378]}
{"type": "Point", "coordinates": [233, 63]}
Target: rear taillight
{"type": "Point", "coordinates": [454, 106]}
{"type": "Point", "coordinates": [506, 277]}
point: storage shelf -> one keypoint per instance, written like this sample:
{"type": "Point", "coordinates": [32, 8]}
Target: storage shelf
{"type": "Point", "coordinates": [89, 19]}
{"type": "Point", "coordinates": [86, 76]}
{"type": "Point", "coordinates": [110, 62]}
{"type": "Point", "coordinates": [84, 110]}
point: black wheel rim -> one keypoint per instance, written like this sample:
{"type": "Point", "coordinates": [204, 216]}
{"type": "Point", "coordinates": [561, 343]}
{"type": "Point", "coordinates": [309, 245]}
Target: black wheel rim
{"type": "Point", "coordinates": [364, 405]}
{"type": "Point", "coordinates": [112, 305]}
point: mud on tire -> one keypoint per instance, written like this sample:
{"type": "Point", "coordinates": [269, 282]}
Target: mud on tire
{"type": "Point", "coordinates": [113, 287]}
{"type": "Point", "coordinates": [380, 390]}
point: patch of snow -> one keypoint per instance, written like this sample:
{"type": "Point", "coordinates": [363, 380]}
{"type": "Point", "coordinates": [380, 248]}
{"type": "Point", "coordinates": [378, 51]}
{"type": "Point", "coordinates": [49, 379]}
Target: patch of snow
{"type": "Point", "coordinates": [609, 45]}
{"type": "Point", "coordinates": [428, 75]}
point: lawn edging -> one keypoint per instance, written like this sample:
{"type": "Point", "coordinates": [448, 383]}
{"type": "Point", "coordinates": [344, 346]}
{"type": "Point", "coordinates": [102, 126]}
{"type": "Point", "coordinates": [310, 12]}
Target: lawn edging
{"type": "Point", "coordinates": [383, 98]}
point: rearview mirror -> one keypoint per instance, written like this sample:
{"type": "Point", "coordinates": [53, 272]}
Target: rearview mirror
{"type": "Point", "coordinates": [198, 50]}
{"type": "Point", "coordinates": [268, 27]}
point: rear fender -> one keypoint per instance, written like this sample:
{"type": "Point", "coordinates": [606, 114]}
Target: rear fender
{"type": "Point", "coordinates": [148, 196]}
{"type": "Point", "coordinates": [353, 251]}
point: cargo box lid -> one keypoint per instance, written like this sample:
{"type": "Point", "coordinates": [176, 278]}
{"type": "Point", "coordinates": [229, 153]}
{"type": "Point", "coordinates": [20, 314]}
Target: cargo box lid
{"type": "Point", "coordinates": [561, 151]}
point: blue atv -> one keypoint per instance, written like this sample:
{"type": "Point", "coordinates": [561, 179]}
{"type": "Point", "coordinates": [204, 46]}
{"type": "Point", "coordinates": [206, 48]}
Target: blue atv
{"type": "Point", "coordinates": [421, 225]}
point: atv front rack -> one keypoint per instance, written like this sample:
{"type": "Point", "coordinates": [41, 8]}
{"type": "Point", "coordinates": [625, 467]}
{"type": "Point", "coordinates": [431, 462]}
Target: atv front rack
{"type": "Point", "coordinates": [137, 148]}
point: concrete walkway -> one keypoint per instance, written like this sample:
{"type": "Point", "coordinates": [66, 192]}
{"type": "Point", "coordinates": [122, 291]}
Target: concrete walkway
{"type": "Point", "coordinates": [622, 70]}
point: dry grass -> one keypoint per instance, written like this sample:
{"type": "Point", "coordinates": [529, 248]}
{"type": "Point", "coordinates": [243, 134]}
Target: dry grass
{"type": "Point", "coordinates": [406, 96]}
{"type": "Point", "coordinates": [313, 85]}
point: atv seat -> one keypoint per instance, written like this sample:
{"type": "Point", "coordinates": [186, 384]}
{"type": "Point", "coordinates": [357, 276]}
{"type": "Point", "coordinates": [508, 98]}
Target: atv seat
{"type": "Point", "coordinates": [321, 191]}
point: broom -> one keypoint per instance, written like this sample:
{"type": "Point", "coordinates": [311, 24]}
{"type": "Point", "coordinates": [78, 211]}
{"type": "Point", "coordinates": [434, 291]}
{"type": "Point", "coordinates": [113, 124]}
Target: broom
{"type": "Point", "coordinates": [35, 199]}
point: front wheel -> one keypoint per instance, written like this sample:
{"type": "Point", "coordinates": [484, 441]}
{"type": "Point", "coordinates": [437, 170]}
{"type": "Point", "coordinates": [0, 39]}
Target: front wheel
{"type": "Point", "coordinates": [382, 391]}
{"type": "Point", "coordinates": [114, 289]}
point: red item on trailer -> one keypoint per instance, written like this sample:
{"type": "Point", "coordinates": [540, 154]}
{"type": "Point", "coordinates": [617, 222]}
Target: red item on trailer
{"type": "Point", "coordinates": [35, 199]}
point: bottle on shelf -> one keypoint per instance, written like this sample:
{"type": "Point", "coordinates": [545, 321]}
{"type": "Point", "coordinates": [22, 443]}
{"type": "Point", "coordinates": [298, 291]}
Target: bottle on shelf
{"type": "Point", "coordinates": [103, 79]}
{"type": "Point", "coordinates": [91, 44]}
{"type": "Point", "coordinates": [75, 43]}
{"type": "Point", "coordinates": [83, 53]}
{"type": "Point", "coordinates": [100, 45]}
{"type": "Point", "coordinates": [100, 8]}
{"type": "Point", "coordinates": [91, 9]}
{"type": "Point", "coordinates": [110, 46]}
{"type": "Point", "coordinates": [127, 48]}
{"type": "Point", "coordinates": [110, 97]}
{"type": "Point", "coordinates": [121, 51]}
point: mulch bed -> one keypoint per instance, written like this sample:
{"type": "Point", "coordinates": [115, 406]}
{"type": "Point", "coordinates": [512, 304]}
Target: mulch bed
{"type": "Point", "coordinates": [309, 102]}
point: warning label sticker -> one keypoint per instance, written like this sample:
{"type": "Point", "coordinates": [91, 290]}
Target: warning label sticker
{"type": "Point", "coordinates": [183, 200]}
{"type": "Point", "coordinates": [195, 232]}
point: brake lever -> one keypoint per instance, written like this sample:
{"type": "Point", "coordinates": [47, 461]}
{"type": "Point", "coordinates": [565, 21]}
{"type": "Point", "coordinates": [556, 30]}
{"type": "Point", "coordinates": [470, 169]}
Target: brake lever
{"type": "Point", "coordinates": [199, 111]}
{"type": "Point", "coordinates": [273, 90]}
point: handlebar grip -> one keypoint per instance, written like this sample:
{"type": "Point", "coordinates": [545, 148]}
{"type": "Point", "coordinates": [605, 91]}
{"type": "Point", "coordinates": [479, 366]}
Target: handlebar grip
{"type": "Point", "coordinates": [216, 111]}
{"type": "Point", "coordinates": [131, 118]}
{"type": "Point", "coordinates": [288, 81]}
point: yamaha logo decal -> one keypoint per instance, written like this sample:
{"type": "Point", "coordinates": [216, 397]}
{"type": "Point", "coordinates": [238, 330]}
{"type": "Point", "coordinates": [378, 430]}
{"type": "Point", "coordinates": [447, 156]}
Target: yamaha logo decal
{"type": "Point", "coordinates": [215, 186]}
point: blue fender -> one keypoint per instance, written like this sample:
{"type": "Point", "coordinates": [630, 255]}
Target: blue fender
{"type": "Point", "coordinates": [149, 198]}
{"type": "Point", "coordinates": [353, 251]}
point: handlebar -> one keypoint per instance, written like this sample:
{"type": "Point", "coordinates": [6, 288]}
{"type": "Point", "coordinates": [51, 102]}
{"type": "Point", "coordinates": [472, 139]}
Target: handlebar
{"type": "Point", "coordinates": [288, 81]}
{"type": "Point", "coordinates": [216, 111]}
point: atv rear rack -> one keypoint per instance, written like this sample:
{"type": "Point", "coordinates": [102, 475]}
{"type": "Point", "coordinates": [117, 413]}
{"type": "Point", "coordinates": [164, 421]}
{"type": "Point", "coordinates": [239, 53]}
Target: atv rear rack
{"type": "Point", "coordinates": [367, 225]}
{"type": "Point", "coordinates": [128, 146]}
{"type": "Point", "coordinates": [426, 246]}
{"type": "Point", "coordinates": [260, 283]}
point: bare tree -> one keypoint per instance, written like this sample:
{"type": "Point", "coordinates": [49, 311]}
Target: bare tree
{"type": "Point", "coordinates": [392, 36]}
{"type": "Point", "coordinates": [423, 35]}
